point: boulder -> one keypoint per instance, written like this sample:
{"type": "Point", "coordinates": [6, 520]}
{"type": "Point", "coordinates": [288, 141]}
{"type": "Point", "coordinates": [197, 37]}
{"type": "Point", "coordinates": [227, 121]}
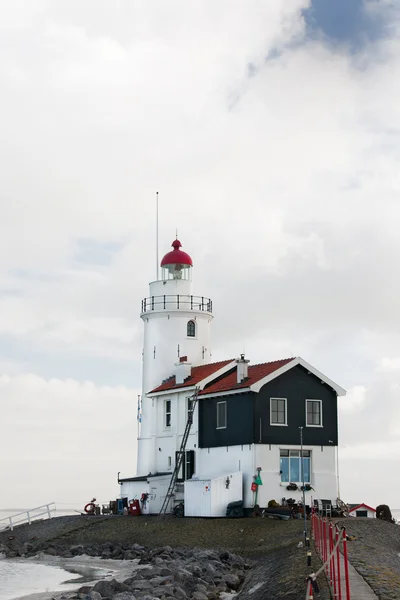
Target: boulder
{"type": "Point", "coordinates": [124, 596]}
{"type": "Point", "coordinates": [232, 581]}
{"type": "Point", "coordinates": [107, 589]}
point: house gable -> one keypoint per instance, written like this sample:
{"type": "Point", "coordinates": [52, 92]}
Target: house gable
{"type": "Point", "coordinates": [296, 385]}
{"type": "Point", "coordinates": [290, 364]}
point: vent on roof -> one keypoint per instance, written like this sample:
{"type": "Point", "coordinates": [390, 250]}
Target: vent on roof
{"type": "Point", "coordinates": [242, 368]}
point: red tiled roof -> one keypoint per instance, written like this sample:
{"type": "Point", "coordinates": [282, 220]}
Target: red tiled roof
{"type": "Point", "coordinates": [197, 375]}
{"type": "Point", "coordinates": [255, 373]}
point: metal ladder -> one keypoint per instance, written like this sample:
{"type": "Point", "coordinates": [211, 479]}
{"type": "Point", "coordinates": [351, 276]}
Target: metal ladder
{"type": "Point", "coordinates": [180, 455]}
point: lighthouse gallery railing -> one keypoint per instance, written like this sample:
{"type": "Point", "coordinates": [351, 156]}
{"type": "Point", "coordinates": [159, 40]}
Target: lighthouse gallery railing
{"type": "Point", "coordinates": [176, 302]}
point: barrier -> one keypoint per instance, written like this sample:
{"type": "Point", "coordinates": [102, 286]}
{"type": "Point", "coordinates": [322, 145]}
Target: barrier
{"type": "Point", "coordinates": [330, 543]}
{"type": "Point", "coordinates": [27, 516]}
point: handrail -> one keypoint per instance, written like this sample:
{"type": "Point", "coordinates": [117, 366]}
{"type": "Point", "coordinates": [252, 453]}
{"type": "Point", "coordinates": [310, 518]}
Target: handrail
{"type": "Point", "coordinates": [176, 302]}
{"type": "Point", "coordinates": [28, 516]}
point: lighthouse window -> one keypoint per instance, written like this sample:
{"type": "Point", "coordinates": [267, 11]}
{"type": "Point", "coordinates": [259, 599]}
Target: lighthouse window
{"type": "Point", "coordinates": [191, 329]}
{"type": "Point", "coordinates": [167, 406]}
{"type": "Point", "coordinates": [190, 408]}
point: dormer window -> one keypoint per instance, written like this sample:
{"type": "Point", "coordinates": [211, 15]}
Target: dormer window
{"type": "Point", "coordinates": [191, 329]}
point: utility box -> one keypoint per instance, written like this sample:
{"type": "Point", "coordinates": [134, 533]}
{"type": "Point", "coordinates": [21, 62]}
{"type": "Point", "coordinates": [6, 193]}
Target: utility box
{"type": "Point", "coordinates": [210, 497]}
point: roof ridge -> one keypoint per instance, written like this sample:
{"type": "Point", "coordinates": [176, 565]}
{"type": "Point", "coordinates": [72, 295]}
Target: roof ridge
{"type": "Point", "coordinates": [218, 362]}
{"type": "Point", "coordinates": [271, 362]}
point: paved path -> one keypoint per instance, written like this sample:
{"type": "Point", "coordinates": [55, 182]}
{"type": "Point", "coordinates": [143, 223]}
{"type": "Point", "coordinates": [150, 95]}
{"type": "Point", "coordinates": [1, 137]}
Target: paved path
{"type": "Point", "coordinates": [359, 588]}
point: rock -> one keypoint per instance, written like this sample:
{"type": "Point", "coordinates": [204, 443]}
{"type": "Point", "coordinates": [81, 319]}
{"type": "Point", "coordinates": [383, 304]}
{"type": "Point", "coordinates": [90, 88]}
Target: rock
{"type": "Point", "coordinates": [76, 550]}
{"type": "Point", "coordinates": [109, 588]}
{"type": "Point", "coordinates": [94, 595]}
{"type": "Point", "coordinates": [27, 547]}
{"type": "Point", "coordinates": [232, 581]}
{"type": "Point", "coordinates": [85, 589]}
{"type": "Point", "coordinates": [139, 585]}
{"type": "Point", "coordinates": [199, 596]}
{"type": "Point", "coordinates": [124, 596]}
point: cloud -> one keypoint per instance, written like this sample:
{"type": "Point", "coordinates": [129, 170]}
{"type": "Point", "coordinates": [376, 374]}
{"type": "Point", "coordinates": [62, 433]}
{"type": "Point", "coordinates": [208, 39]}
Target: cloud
{"type": "Point", "coordinates": [275, 155]}
{"type": "Point", "coordinates": [64, 440]}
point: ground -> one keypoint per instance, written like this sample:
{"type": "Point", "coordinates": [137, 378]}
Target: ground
{"type": "Point", "coordinates": [272, 546]}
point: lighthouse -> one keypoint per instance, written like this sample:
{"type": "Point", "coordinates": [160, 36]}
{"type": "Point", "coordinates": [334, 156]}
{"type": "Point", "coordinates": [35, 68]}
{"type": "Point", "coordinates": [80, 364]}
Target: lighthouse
{"type": "Point", "coordinates": [211, 430]}
{"type": "Point", "coordinates": [177, 328]}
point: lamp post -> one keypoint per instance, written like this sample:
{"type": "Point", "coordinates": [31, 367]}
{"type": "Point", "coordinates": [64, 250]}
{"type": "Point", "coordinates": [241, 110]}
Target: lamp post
{"type": "Point", "coordinates": [303, 483]}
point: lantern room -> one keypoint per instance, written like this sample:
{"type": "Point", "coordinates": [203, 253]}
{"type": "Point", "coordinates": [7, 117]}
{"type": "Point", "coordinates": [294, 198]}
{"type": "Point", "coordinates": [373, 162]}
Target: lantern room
{"type": "Point", "coordinates": [176, 264]}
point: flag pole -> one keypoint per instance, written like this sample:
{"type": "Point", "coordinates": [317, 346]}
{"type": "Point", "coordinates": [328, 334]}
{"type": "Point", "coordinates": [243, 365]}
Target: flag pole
{"type": "Point", "coordinates": [157, 236]}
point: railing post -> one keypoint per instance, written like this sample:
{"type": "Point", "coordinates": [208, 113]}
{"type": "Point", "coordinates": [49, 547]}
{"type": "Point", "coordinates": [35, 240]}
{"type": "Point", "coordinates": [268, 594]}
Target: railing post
{"type": "Point", "coordinates": [164, 301]}
{"type": "Point", "coordinates": [11, 523]}
{"type": "Point", "coordinates": [346, 563]}
{"type": "Point", "coordinates": [339, 583]}
{"type": "Point", "coordinates": [177, 301]}
{"type": "Point", "coordinates": [333, 558]}
{"type": "Point", "coordinates": [28, 516]}
{"type": "Point", "coordinates": [48, 510]}
{"type": "Point", "coordinates": [319, 535]}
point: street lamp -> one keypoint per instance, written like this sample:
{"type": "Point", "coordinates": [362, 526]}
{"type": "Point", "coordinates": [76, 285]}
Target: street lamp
{"type": "Point", "coordinates": [303, 483]}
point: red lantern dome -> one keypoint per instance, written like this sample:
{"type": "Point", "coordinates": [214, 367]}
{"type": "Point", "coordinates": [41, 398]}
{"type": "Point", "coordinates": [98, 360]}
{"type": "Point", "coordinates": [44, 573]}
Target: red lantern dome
{"type": "Point", "coordinates": [177, 256]}
{"type": "Point", "coordinates": [176, 261]}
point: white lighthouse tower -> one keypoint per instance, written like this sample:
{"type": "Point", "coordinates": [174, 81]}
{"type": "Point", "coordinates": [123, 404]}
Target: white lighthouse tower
{"type": "Point", "coordinates": [177, 328]}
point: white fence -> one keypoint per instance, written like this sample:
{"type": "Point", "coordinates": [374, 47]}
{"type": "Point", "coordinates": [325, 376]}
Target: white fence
{"type": "Point", "coordinates": [27, 516]}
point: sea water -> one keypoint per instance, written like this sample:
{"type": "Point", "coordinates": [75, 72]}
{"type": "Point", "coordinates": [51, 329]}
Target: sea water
{"type": "Point", "coordinates": [23, 577]}
{"type": "Point", "coordinates": [20, 577]}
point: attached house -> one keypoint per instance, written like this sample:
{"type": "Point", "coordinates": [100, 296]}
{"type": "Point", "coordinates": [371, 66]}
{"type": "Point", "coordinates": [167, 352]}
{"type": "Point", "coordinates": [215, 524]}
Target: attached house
{"type": "Point", "coordinates": [247, 417]}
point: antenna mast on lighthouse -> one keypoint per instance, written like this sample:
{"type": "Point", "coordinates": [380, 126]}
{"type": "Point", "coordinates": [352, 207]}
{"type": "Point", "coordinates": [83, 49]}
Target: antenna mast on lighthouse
{"type": "Point", "coordinates": [156, 236]}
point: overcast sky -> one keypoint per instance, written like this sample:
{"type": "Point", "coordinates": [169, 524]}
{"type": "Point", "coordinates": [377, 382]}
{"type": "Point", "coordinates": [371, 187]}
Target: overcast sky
{"type": "Point", "coordinates": [271, 130]}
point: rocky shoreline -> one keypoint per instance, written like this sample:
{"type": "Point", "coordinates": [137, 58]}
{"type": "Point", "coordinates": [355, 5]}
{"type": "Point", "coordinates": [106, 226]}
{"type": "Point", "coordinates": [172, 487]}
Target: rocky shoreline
{"type": "Point", "coordinates": [164, 572]}
{"type": "Point", "coordinates": [205, 559]}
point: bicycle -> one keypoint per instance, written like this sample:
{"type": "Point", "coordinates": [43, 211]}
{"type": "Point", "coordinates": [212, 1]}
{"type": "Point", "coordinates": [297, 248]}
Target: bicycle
{"type": "Point", "coordinates": [179, 509]}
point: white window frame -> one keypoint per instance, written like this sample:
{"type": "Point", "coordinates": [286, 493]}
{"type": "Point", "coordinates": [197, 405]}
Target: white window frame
{"type": "Point", "coordinates": [166, 413]}
{"type": "Point", "coordinates": [320, 412]}
{"type": "Point", "coordinates": [310, 457]}
{"type": "Point", "coordinates": [226, 415]}
{"type": "Point", "coordinates": [270, 413]}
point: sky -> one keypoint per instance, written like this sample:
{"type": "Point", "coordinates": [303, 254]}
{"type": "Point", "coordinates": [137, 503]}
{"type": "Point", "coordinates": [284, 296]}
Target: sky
{"type": "Point", "coordinates": [271, 131]}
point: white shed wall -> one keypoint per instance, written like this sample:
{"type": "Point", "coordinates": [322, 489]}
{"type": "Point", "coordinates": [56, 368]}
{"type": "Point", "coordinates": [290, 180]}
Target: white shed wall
{"type": "Point", "coordinates": [370, 513]}
{"type": "Point", "coordinates": [210, 497]}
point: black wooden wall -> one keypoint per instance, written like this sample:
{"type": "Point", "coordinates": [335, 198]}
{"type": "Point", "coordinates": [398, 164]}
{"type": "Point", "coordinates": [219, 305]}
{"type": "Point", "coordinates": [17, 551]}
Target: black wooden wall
{"type": "Point", "coordinates": [248, 414]}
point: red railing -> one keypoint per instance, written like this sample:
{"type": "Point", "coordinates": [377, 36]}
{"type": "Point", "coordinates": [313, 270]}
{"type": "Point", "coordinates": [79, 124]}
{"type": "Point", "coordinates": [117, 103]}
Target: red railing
{"type": "Point", "coordinates": [331, 546]}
